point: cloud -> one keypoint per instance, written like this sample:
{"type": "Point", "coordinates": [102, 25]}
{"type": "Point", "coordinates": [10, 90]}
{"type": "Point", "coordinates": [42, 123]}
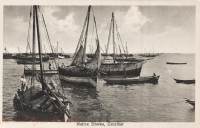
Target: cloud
{"type": "Point", "coordinates": [66, 25]}
{"type": "Point", "coordinates": [132, 20]}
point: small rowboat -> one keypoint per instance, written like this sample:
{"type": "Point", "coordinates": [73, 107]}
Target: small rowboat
{"type": "Point", "coordinates": [190, 102]}
{"type": "Point", "coordinates": [134, 80]}
{"type": "Point", "coordinates": [176, 63]}
{"type": "Point", "coordinates": [61, 57]}
{"type": "Point", "coordinates": [185, 81]}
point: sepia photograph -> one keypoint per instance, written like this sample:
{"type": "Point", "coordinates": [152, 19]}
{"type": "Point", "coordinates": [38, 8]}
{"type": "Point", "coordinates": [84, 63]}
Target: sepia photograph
{"type": "Point", "coordinates": [99, 63]}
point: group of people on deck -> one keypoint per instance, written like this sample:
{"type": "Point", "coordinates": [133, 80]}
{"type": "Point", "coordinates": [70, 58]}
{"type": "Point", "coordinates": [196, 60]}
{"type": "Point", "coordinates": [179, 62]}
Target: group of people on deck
{"type": "Point", "coordinates": [63, 65]}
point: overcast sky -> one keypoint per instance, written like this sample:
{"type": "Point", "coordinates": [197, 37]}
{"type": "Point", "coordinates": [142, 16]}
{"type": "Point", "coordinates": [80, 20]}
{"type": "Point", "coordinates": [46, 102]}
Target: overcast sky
{"type": "Point", "coordinates": [144, 28]}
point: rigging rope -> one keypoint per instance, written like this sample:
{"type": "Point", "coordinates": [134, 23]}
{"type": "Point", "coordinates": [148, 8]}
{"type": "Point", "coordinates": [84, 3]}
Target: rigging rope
{"type": "Point", "coordinates": [119, 37]}
{"type": "Point", "coordinates": [109, 37]}
{"type": "Point", "coordinates": [47, 34]}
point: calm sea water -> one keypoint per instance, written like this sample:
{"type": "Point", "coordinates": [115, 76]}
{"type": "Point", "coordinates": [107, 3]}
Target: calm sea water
{"type": "Point", "coordinates": [162, 102]}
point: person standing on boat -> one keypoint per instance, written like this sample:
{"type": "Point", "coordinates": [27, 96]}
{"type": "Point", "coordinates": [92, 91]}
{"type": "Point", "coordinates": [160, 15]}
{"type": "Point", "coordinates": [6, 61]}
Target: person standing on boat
{"type": "Point", "coordinates": [23, 83]}
{"type": "Point", "coordinates": [63, 65]}
{"type": "Point", "coordinates": [49, 66]}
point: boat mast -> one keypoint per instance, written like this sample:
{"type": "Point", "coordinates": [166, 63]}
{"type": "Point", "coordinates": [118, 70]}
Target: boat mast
{"type": "Point", "coordinates": [120, 50]}
{"type": "Point", "coordinates": [33, 47]}
{"type": "Point", "coordinates": [86, 33]}
{"type": "Point", "coordinates": [113, 36]}
{"type": "Point", "coordinates": [57, 47]}
{"type": "Point", "coordinates": [39, 48]}
{"type": "Point", "coordinates": [109, 37]}
{"type": "Point", "coordinates": [126, 49]}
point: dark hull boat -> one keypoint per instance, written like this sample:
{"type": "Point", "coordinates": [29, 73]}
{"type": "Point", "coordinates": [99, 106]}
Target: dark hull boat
{"type": "Point", "coordinates": [185, 81]}
{"type": "Point", "coordinates": [190, 102]}
{"type": "Point", "coordinates": [80, 71]}
{"type": "Point", "coordinates": [129, 59]}
{"type": "Point", "coordinates": [7, 56]}
{"type": "Point", "coordinates": [121, 55]}
{"type": "Point", "coordinates": [90, 55]}
{"type": "Point", "coordinates": [104, 54]}
{"type": "Point", "coordinates": [133, 80]}
{"type": "Point", "coordinates": [176, 63]}
{"type": "Point", "coordinates": [118, 69]}
{"type": "Point", "coordinates": [29, 59]}
{"type": "Point", "coordinates": [148, 55]}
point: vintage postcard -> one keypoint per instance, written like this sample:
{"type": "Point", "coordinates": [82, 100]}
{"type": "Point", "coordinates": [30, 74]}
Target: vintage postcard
{"type": "Point", "coordinates": [96, 64]}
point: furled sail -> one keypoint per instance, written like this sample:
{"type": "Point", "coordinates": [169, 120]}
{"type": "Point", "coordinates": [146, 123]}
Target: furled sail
{"type": "Point", "coordinates": [78, 58]}
{"type": "Point", "coordinates": [96, 59]}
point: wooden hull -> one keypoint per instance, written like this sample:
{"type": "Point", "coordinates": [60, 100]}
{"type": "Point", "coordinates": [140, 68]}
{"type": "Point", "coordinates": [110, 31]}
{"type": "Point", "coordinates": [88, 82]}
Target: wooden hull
{"type": "Point", "coordinates": [74, 71]}
{"type": "Point", "coordinates": [136, 80]}
{"type": "Point", "coordinates": [46, 72]}
{"type": "Point", "coordinates": [24, 60]}
{"type": "Point", "coordinates": [118, 69]}
{"type": "Point", "coordinates": [36, 100]}
{"type": "Point", "coordinates": [80, 81]}
{"type": "Point", "coordinates": [129, 60]}
{"type": "Point", "coordinates": [175, 63]}
{"type": "Point", "coordinates": [185, 81]}
{"type": "Point", "coordinates": [149, 55]}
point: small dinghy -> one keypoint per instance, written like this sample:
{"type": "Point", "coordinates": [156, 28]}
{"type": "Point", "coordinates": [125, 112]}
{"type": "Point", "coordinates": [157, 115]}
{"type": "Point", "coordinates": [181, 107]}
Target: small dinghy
{"type": "Point", "coordinates": [176, 63]}
{"type": "Point", "coordinates": [134, 80]}
{"type": "Point", "coordinates": [185, 81]}
{"type": "Point", "coordinates": [61, 57]}
{"type": "Point", "coordinates": [190, 102]}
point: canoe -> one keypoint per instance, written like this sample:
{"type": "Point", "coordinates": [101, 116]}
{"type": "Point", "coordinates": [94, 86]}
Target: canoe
{"type": "Point", "coordinates": [176, 63]}
{"type": "Point", "coordinates": [185, 81]}
{"type": "Point", "coordinates": [133, 80]}
{"type": "Point", "coordinates": [80, 81]}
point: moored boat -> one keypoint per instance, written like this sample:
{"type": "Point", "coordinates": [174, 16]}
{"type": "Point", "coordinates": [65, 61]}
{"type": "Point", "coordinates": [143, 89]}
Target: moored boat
{"type": "Point", "coordinates": [6, 54]}
{"type": "Point", "coordinates": [192, 81]}
{"type": "Point", "coordinates": [134, 80]}
{"type": "Point", "coordinates": [190, 102]}
{"type": "Point", "coordinates": [28, 72]}
{"type": "Point", "coordinates": [61, 57]}
{"type": "Point", "coordinates": [79, 67]}
{"type": "Point", "coordinates": [116, 69]}
{"type": "Point", "coordinates": [176, 63]}
{"type": "Point", "coordinates": [27, 59]}
{"type": "Point", "coordinates": [40, 96]}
